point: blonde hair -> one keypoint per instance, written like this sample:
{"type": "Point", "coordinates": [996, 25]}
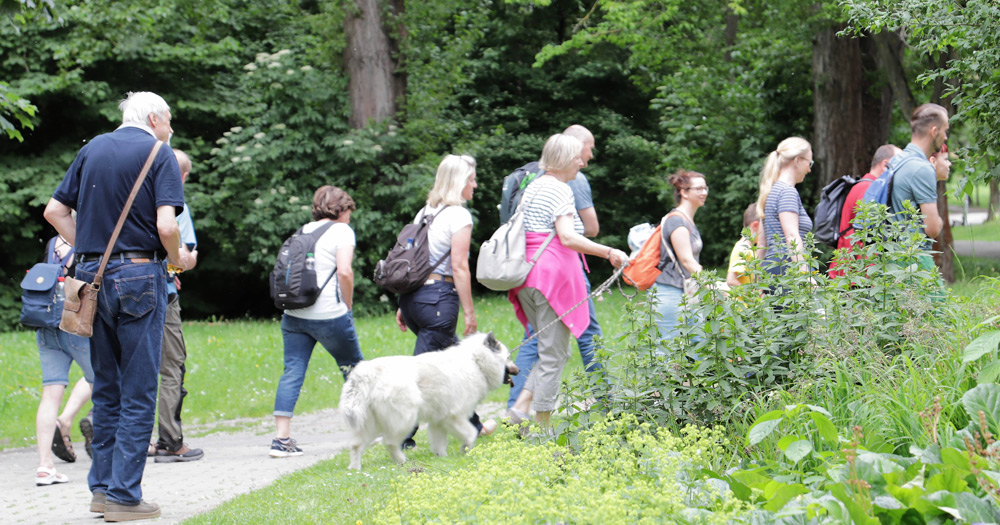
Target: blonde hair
{"type": "Point", "coordinates": [788, 150]}
{"type": "Point", "coordinates": [560, 153]}
{"type": "Point", "coordinates": [452, 175]}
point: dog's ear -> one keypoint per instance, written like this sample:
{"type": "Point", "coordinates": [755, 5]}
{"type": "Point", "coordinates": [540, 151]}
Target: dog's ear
{"type": "Point", "coordinates": [491, 342]}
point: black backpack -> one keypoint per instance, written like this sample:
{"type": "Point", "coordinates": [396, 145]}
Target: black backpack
{"type": "Point", "coordinates": [826, 219]}
{"type": "Point", "coordinates": [408, 264]}
{"type": "Point", "coordinates": [513, 187]}
{"type": "Point", "coordinates": [293, 279]}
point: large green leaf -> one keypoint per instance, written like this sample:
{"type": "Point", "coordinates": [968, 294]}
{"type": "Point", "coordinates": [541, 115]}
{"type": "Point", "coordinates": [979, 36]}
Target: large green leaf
{"type": "Point", "coordinates": [761, 429]}
{"type": "Point", "coordinates": [983, 345]}
{"type": "Point", "coordinates": [798, 450]}
{"type": "Point", "coordinates": [825, 427]}
{"type": "Point", "coordinates": [985, 398]}
{"type": "Point", "coordinates": [989, 373]}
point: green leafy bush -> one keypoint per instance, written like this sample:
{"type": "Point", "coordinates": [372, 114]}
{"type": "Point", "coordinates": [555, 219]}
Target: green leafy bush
{"type": "Point", "coordinates": [621, 471]}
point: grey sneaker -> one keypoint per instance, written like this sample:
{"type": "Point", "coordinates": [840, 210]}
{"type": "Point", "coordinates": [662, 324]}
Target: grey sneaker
{"type": "Point", "coordinates": [284, 448]}
{"type": "Point", "coordinates": [119, 512]}
{"type": "Point", "coordinates": [184, 454]}
{"type": "Point", "coordinates": [98, 502]}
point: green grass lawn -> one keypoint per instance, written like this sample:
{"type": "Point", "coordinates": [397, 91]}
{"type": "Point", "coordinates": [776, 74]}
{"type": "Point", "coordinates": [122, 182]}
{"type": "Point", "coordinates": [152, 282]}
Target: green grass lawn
{"type": "Point", "coordinates": [989, 231]}
{"type": "Point", "coordinates": [233, 368]}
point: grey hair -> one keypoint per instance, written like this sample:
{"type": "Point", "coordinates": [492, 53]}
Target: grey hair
{"type": "Point", "coordinates": [138, 105]}
{"type": "Point", "coordinates": [560, 153]}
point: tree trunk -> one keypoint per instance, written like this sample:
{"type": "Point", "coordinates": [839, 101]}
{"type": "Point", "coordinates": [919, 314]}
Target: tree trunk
{"type": "Point", "coordinates": [991, 212]}
{"type": "Point", "coordinates": [945, 259]}
{"type": "Point", "coordinates": [375, 86]}
{"type": "Point", "coordinates": [889, 52]}
{"type": "Point", "coordinates": [849, 123]}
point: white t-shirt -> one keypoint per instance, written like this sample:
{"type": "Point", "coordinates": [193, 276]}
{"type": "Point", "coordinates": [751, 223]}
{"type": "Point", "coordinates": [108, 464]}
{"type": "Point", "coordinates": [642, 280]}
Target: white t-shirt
{"type": "Point", "coordinates": [327, 306]}
{"type": "Point", "coordinates": [546, 199]}
{"type": "Point", "coordinates": [446, 223]}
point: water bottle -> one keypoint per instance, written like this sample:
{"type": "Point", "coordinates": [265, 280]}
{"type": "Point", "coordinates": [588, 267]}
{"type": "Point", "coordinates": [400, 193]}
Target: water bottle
{"type": "Point", "coordinates": [409, 243]}
{"type": "Point", "coordinates": [61, 290]}
{"type": "Point", "coordinates": [310, 261]}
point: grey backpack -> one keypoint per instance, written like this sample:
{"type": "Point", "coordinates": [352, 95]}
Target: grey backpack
{"type": "Point", "coordinates": [502, 263]}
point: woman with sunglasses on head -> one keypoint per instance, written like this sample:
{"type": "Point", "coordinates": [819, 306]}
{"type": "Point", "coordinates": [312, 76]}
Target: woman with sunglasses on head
{"type": "Point", "coordinates": [684, 241]}
{"type": "Point", "coordinates": [784, 218]}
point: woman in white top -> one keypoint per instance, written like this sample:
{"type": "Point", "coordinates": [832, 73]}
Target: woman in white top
{"type": "Point", "coordinates": [329, 320]}
{"type": "Point", "coordinates": [550, 289]}
{"type": "Point", "coordinates": [431, 312]}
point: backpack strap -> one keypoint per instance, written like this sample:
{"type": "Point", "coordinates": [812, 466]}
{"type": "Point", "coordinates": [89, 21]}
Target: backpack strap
{"type": "Point", "coordinates": [447, 253]}
{"type": "Point", "coordinates": [318, 233]}
{"type": "Point", "coordinates": [668, 247]}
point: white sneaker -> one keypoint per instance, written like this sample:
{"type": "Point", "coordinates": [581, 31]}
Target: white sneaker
{"type": "Point", "coordinates": [489, 427]}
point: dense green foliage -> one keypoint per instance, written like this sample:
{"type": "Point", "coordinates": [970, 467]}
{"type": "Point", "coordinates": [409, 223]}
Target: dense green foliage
{"type": "Point", "coordinates": [260, 101]}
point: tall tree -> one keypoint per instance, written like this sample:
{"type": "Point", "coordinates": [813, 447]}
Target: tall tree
{"type": "Point", "coordinates": [851, 106]}
{"type": "Point", "coordinates": [373, 30]}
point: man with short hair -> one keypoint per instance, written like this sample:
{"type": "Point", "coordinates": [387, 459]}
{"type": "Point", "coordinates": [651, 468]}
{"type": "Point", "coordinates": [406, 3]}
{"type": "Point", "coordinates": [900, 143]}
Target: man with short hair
{"type": "Point", "coordinates": [132, 302]}
{"type": "Point", "coordinates": [880, 161]}
{"type": "Point", "coordinates": [170, 447]}
{"type": "Point", "coordinates": [527, 356]}
{"type": "Point", "coordinates": [915, 179]}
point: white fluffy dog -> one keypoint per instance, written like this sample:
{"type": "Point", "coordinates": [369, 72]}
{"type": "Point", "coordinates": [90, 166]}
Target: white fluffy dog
{"type": "Point", "coordinates": [388, 396]}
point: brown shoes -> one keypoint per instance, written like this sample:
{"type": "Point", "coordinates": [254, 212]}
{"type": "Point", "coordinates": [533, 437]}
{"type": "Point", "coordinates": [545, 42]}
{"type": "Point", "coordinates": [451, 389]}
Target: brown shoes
{"type": "Point", "coordinates": [119, 512]}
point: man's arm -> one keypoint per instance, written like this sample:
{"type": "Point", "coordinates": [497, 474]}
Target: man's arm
{"type": "Point", "coordinates": [590, 224]}
{"type": "Point", "coordinates": [60, 217]}
{"type": "Point", "coordinates": [170, 237]}
{"type": "Point", "coordinates": [932, 221]}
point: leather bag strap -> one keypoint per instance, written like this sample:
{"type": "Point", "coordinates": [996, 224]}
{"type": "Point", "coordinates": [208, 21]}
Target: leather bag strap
{"type": "Point", "coordinates": [99, 277]}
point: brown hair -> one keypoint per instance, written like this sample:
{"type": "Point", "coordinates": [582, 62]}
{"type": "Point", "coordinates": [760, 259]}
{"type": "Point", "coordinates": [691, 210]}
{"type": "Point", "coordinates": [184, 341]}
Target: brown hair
{"type": "Point", "coordinates": [330, 201]}
{"type": "Point", "coordinates": [925, 116]}
{"type": "Point", "coordinates": [750, 216]}
{"type": "Point", "coordinates": [681, 180]}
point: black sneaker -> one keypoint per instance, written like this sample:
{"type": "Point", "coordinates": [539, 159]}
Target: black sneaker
{"type": "Point", "coordinates": [284, 448]}
{"type": "Point", "coordinates": [87, 429]}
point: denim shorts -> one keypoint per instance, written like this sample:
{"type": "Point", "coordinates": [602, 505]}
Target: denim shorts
{"type": "Point", "coordinates": [57, 351]}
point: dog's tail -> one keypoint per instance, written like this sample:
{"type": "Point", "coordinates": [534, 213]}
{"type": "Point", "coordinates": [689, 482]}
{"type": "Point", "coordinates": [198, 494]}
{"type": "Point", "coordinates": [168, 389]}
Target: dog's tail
{"type": "Point", "coordinates": [355, 396]}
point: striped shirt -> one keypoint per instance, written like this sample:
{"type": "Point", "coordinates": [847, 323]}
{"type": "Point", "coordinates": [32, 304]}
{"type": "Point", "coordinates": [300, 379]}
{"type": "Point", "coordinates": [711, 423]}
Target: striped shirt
{"type": "Point", "coordinates": [546, 199]}
{"type": "Point", "coordinates": [781, 199]}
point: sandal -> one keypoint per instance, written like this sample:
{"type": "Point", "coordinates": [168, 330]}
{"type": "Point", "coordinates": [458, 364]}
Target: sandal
{"type": "Point", "coordinates": [49, 476]}
{"type": "Point", "coordinates": [62, 446]}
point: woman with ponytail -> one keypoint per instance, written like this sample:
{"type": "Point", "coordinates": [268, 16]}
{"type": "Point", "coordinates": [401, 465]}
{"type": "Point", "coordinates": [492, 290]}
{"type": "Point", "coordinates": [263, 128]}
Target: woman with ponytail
{"type": "Point", "coordinates": [779, 206]}
{"type": "Point", "coordinates": [683, 240]}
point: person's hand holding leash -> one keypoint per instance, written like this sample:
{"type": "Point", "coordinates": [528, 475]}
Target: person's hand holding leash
{"type": "Point", "coordinates": [618, 258]}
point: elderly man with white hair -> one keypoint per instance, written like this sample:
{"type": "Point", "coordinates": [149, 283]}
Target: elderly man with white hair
{"type": "Point", "coordinates": [132, 302]}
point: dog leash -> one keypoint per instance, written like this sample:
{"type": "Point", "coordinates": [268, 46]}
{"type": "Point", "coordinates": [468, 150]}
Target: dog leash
{"type": "Point", "coordinates": [597, 291]}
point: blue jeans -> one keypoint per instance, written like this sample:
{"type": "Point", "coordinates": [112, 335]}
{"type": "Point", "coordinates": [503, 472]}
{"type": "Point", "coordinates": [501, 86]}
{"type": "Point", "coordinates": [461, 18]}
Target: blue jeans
{"type": "Point", "coordinates": [527, 356]}
{"type": "Point", "coordinates": [125, 355]}
{"type": "Point", "coordinates": [337, 336]}
{"type": "Point", "coordinates": [669, 306]}
{"type": "Point", "coordinates": [57, 350]}
{"type": "Point", "coordinates": [431, 313]}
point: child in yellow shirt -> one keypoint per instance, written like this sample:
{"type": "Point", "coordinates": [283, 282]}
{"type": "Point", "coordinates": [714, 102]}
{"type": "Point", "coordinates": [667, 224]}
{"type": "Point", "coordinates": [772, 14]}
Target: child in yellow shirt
{"type": "Point", "coordinates": [744, 250]}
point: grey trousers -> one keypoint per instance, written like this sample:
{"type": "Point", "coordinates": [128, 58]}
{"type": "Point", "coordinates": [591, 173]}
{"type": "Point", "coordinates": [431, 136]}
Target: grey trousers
{"type": "Point", "coordinates": [172, 370]}
{"type": "Point", "coordinates": [553, 349]}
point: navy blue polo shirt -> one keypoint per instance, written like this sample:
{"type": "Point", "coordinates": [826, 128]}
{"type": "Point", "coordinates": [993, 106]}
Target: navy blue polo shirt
{"type": "Point", "coordinates": [100, 180]}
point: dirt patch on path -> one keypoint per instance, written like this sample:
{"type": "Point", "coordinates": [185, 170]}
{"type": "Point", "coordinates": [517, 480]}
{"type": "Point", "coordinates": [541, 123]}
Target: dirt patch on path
{"type": "Point", "coordinates": [235, 463]}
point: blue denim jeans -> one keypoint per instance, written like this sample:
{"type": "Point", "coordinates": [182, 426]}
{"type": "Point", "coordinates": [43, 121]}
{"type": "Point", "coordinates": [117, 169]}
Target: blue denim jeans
{"type": "Point", "coordinates": [431, 313]}
{"type": "Point", "coordinates": [125, 355]}
{"type": "Point", "coordinates": [337, 336]}
{"type": "Point", "coordinates": [669, 306]}
{"type": "Point", "coordinates": [57, 350]}
{"type": "Point", "coordinates": [527, 356]}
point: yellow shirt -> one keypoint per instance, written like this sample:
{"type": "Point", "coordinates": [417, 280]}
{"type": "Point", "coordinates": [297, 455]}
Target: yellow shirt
{"type": "Point", "coordinates": [742, 251]}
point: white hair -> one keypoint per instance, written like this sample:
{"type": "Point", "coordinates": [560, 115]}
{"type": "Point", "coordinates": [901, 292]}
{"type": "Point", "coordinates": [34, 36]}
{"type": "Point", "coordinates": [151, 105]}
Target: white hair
{"type": "Point", "coordinates": [138, 105]}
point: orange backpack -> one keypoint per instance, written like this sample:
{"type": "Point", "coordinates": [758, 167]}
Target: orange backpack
{"type": "Point", "coordinates": [644, 268]}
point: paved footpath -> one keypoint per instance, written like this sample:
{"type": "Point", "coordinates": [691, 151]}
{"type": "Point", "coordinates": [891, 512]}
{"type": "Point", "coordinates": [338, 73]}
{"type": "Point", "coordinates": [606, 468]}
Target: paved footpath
{"type": "Point", "coordinates": [234, 464]}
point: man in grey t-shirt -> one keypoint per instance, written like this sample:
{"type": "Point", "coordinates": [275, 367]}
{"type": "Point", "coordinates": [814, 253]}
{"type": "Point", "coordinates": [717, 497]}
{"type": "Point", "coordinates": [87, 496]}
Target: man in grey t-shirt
{"type": "Point", "coordinates": [915, 179]}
